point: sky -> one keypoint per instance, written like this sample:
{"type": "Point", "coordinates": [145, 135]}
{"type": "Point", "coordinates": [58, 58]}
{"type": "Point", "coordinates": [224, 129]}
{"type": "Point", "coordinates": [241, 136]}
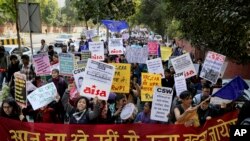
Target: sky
{"type": "Point", "coordinates": [61, 3]}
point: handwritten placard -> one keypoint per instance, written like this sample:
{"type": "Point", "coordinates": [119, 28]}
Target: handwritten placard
{"type": "Point", "coordinates": [155, 66]}
{"type": "Point", "coordinates": [42, 96]}
{"type": "Point", "coordinates": [153, 48]}
{"type": "Point", "coordinates": [137, 55]}
{"type": "Point", "coordinates": [180, 83]}
{"type": "Point", "coordinates": [97, 50]}
{"type": "Point", "coordinates": [42, 64]}
{"type": "Point", "coordinates": [148, 82]}
{"type": "Point", "coordinates": [20, 89]}
{"type": "Point", "coordinates": [121, 81]}
{"type": "Point", "coordinates": [115, 46]}
{"type": "Point", "coordinates": [162, 100]}
{"type": "Point", "coordinates": [66, 63]}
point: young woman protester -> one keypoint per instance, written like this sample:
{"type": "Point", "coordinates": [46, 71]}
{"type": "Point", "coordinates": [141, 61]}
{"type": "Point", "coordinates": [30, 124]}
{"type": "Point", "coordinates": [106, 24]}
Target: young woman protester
{"type": "Point", "coordinates": [11, 110]}
{"type": "Point", "coordinates": [80, 113]}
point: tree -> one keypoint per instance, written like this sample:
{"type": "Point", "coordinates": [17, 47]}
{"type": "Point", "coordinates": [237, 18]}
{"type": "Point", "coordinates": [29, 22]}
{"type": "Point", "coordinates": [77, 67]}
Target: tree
{"type": "Point", "coordinates": [7, 11]}
{"type": "Point", "coordinates": [221, 26]}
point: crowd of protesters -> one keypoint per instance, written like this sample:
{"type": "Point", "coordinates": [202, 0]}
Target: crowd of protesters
{"type": "Point", "coordinates": [82, 110]}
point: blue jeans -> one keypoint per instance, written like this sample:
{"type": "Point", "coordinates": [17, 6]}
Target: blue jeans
{"type": "Point", "coordinates": [2, 75]}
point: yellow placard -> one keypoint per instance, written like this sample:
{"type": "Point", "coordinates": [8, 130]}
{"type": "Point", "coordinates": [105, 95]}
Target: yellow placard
{"type": "Point", "coordinates": [121, 80]}
{"type": "Point", "coordinates": [149, 80]}
{"type": "Point", "coordinates": [165, 53]}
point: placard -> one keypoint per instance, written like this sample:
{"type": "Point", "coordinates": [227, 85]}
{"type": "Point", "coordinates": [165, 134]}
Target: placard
{"type": "Point", "coordinates": [162, 100]}
{"type": "Point", "coordinates": [79, 77]}
{"type": "Point", "coordinates": [166, 52]}
{"type": "Point", "coordinates": [155, 66]}
{"type": "Point", "coordinates": [121, 81]}
{"type": "Point", "coordinates": [137, 55]}
{"type": "Point", "coordinates": [42, 64]}
{"type": "Point", "coordinates": [149, 80]}
{"type": "Point", "coordinates": [42, 96]}
{"type": "Point", "coordinates": [180, 83]}
{"type": "Point", "coordinates": [66, 63]}
{"type": "Point", "coordinates": [115, 46]}
{"type": "Point", "coordinates": [20, 89]}
{"type": "Point", "coordinates": [184, 64]}
{"type": "Point", "coordinates": [212, 66]}
{"type": "Point", "coordinates": [97, 50]}
{"type": "Point", "coordinates": [153, 48]}
{"type": "Point", "coordinates": [98, 79]}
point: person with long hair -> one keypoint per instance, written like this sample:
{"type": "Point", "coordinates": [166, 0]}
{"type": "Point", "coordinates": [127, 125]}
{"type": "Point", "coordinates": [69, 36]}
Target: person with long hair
{"type": "Point", "coordinates": [11, 110]}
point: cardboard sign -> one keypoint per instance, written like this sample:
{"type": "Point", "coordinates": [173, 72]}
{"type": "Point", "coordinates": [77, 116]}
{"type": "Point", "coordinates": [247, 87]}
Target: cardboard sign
{"type": "Point", "coordinates": [121, 81]}
{"type": "Point", "coordinates": [148, 82]}
{"type": "Point", "coordinates": [42, 96]}
{"type": "Point", "coordinates": [184, 64]}
{"type": "Point", "coordinates": [162, 100]}
{"type": "Point", "coordinates": [212, 66]}
{"type": "Point", "coordinates": [153, 48]}
{"type": "Point", "coordinates": [42, 64]}
{"type": "Point", "coordinates": [115, 46]}
{"type": "Point", "coordinates": [180, 83]}
{"type": "Point", "coordinates": [66, 65]}
{"type": "Point", "coordinates": [79, 77]}
{"type": "Point", "coordinates": [137, 55]}
{"type": "Point", "coordinates": [166, 52]}
{"type": "Point", "coordinates": [98, 79]}
{"type": "Point", "coordinates": [20, 89]}
{"type": "Point", "coordinates": [97, 50]}
{"type": "Point", "coordinates": [155, 66]}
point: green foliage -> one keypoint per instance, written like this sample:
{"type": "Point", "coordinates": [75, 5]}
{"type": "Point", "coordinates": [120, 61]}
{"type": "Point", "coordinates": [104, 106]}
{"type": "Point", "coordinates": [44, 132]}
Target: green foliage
{"type": "Point", "coordinates": [7, 11]}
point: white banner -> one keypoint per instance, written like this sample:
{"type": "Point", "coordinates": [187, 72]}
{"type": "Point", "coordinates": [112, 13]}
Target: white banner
{"type": "Point", "coordinates": [98, 79]}
{"type": "Point", "coordinates": [184, 64]}
{"type": "Point", "coordinates": [115, 46]}
{"type": "Point", "coordinates": [155, 66]}
{"type": "Point", "coordinates": [180, 83]}
{"type": "Point", "coordinates": [162, 100]}
{"type": "Point", "coordinates": [212, 66]}
{"type": "Point", "coordinates": [97, 50]}
{"type": "Point", "coordinates": [42, 96]}
{"type": "Point", "coordinates": [137, 55]}
{"type": "Point", "coordinates": [79, 77]}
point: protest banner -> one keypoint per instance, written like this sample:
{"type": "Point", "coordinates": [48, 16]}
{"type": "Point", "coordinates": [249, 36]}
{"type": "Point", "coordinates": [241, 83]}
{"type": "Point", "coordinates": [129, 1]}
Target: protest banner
{"type": "Point", "coordinates": [20, 89]}
{"type": "Point", "coordinates": [90, 33]}
{"type": "Point", "coordinates": [153, 48]}
{"type": "Point", "coordinates": [121, 80]}
{"type": "Point", "coordinates": [81, 64]}
{"type": "Point", "coordinates": [66, 63]}
{"type": "Point", "coordinates": [78, 77]}
{"type": "Point", "coordinates": [81, 59]}
{"type": "Point", "coordinates": [148, 82]}
{"type": "Point", "coordinates": [180, 83]}
{"type": "Point", "coordinates": [42, 64]}
{"type": "Point", "coordinates": [155, 66]}
{"type": "Point", "coordinates": [223, 69]}
{"type": "Point", "coordinates": [184, 64]}
{"type": "Point", "coordinates": [115, 46]}
{"type": "Point", "coordinates": [216, 129]}
{"type": "Point", "coordinates": [42, 96]}
{"type": "Point", "coordinates": [97, 50]}
{"type": "Point", "coordinates": [212, 66]}
{"type": "Point", "coordinates": [98, 79]}
{"type": "Point", "coordinates": [166, 52]}
{"type": "Point", "coordinates": [85, 55]}
{"type": "Point", "coordinates": [196, 66]}
{"type": "Point", "coordinates": [162, 100]}
{"type": "Point", "coordinates": [137, 55]}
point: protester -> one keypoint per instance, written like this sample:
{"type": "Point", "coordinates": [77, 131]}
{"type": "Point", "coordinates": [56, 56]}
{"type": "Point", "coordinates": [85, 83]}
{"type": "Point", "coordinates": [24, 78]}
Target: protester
{"type": "Point", "coordinates": [44, 47]}
{"type": "Point", "coordinates": [51, 52]}
{"type": "Point", "coordinates": [80, 112]}
{"type": "Point", "coordinates": [144, 116]}
{"type": "Point", "coordinates": [55, 59]}
{"type": "Point", "coordinates": [10, 109]}
{"type": "Point", "coordinates": [3, 65]}
{"type": "Point", "coordinates": [206, 91]}
{"type": "Point", "coordinates": [13, 67]}
{"type": "Point", "coordinates": [27, 68]}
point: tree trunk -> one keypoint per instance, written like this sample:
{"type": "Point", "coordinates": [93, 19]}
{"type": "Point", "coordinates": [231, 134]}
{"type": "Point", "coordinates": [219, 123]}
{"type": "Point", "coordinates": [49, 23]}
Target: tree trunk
{"type": "Point", "coordinates": [17, 29]}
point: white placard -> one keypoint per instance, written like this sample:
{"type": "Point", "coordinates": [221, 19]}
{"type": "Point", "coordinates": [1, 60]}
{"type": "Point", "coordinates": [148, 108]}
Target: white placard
{"type": "Point", "coordinates": [90, 33]}
{"type": "Point", "coordinates": [162, 100]}
{"type": "Point", "coordinates": [115, 46]}
{"type": "Point", "coordinates": [97, 50]}
{"type": "Point", "coordinates": [98, 79]}
{"type": "Point", "coordinates": [212, 66]}
{"type": "Point", "coordinates": [180, 83]}
{"type": "Point", "coordinates": [127, 111]}
{"type": "Point", "coordinates": [78, 77]}
{"type": "Point", "coordinates": [196, 66]}
{"type": "Point", "coordinates": [184, 64]}
{"type": "Point", "coordinates": [42, 96]}
{"type": "Point", "coordinates": [155, 66]}
{"type": "Point", "coordinates": [137, 55]}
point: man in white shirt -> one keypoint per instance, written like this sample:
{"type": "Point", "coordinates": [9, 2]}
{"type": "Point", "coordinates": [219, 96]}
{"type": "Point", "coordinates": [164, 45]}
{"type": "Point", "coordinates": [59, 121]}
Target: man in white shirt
{"type": "Point", "coordinates": [44, 47]}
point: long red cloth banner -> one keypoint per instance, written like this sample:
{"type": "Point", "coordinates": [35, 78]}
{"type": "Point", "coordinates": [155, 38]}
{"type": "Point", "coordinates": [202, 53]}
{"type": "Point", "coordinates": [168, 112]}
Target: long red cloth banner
{"type": "Point", "coordinates": [216, 129]}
